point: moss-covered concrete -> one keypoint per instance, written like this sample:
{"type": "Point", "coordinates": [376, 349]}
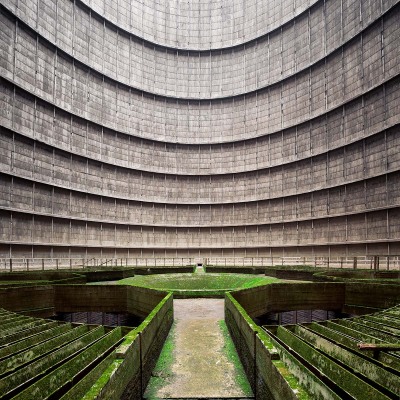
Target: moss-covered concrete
{"type": "Point", "coordinates": [197, 285]}
{"type": "Point", "coordinates": [268, 377]}
{"type": "Point", "coordinates": [278, 297]}
{"type": "Point", "coordinates": [345, 380]}
{"type": "Point", "coordinates": [356, 362]}
{"type": "Point", "coordinates": [306, 384]}
{"type": "Point", "coordinates": [32, 278]}
{"type": "Point", "coordinates": [62, 336]}
{"type": "Point", "coordinates": [198, 359]}
{"type": "Point", "coordinates": [231, 269]}
{"type": "Point", "coordinates": [162, 371]}
{"type": "Point", "coordinates": [51, 357]}
{"type": "Point", "coordinates": [340, 275]}
{"type": "Point", "coordinates": [29, 341]}
{"type": "Point", "coordinates": [264, 356]}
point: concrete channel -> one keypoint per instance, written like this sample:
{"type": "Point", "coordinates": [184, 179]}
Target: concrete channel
{"type": "Point", "coordinates": [199, 359]}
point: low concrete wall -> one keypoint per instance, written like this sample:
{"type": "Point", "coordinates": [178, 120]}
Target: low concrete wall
{"type": "Point", "coordinates": [234, 270]}
{"type": "Point", "coordinates": [102, 298]}
{"type": "Point", "coordinates": [290, 296]}
{"type": "Point", "coordinates": [270, 383]}
{"type": "Point", "coordinates": [163, 270]}
{"type": "Point", "coordinates": [153, 332]}
{"type": "Point", "coordinates": [107, 275]}
{"type": "Point", "coordinates": [243, 332]}
{"type": "Point", "coordinates": [364, 297]}
{"type": "Point", "coordinates": [138, 354]}
{"type": "Point", "coordinates": [141, 301]}
{"type": "Point", "coordinates": [40, 278]}
{"type": "Point", "coordinates": [135, 358]}
{"type": "Point", "coordinates": [294, 274]}
{"type": "Point", "coordinates": [265, 379]}
{"type": "Point", "coordinates": [346, 275]}
{"type": "Point", "coordinates": [273, 372]}
{"type": "Point", "coordinates": [107, 298]}
{"type": "Point", "coordinates": [46, 300]}
{"type": "Point", "coordinates": [348, 297]}
{"type": "Point", "coordinates": [37, 301]}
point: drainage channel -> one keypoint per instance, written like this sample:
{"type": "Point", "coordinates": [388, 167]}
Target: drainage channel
{"type": "Point", "coordinates": [199, 360]}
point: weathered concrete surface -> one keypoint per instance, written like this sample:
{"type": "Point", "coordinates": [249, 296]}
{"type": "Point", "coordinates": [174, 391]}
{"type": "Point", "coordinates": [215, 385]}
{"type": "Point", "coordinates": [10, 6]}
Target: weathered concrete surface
{"type": "Point", "coordinates": [201, 366]}
{"type": "Point", "coordinates": [292, 296]}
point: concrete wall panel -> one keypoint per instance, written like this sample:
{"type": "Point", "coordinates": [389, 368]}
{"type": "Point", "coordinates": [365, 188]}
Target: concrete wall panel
{"type": "Point", "coordinates": [254, 128]}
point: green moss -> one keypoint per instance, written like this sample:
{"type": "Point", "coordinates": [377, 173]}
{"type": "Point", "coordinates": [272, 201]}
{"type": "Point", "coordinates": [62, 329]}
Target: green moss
{"type": "Point", "coordinates": [132, 335]}
{"type": "Point", "coordinates": [102, 381]}
{"type": "Point", "coordinates": [233, 357]}
{"type": "Point", "coordinates": [244, 314]}
{"type": "Point", "coordinates": [162, 372]}
{"type": "Point", "coordinates": [291, 380]}
{"type": "Point", "coordinates": [197, 285]}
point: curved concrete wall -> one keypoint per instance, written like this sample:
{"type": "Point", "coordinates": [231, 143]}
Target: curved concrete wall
{"type": "Point", "coordinates": [199, 24]}
{"type": "Point", "coordinates": [335, 80]}
{"type": "Point", "coordinates": [361, 118]}
{"type": "Point", "coordinates": [290, 49]}
{"type": "Point", "coordinates": [266, 133]}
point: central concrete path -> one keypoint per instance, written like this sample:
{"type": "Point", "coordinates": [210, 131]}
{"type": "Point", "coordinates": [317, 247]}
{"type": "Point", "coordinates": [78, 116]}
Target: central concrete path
{"type": "Point", "coordinates": [198, 359]}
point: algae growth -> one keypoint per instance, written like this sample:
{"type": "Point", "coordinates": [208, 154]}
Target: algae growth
{"type": "Point", "coordinates": [162, 372]}
{"type": "Point", "coordinates": [198, 285]}
{"type": "Point", "coordinates": [232, 355]}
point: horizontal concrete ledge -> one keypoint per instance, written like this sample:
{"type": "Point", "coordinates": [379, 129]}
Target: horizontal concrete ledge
{"type": "Point", "coordinates": [217, 52]}
{"type": "Point", "coordinates": [205, 247]}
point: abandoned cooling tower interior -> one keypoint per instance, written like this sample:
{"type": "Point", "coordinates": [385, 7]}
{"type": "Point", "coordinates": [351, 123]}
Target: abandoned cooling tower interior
{"type": "Point", "coordinates": [200, 199]}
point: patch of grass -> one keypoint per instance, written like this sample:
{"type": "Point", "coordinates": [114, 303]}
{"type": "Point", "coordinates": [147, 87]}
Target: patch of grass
{"type": "Point", "coordinates": [162, 372]}
{"type": "Point", "coordinates": [233, 357]}
{"type": "Point", "coordinates": [197, 285]}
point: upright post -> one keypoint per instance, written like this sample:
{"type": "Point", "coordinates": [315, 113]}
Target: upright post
{"type": "Point", "coordinates": [376, 263]}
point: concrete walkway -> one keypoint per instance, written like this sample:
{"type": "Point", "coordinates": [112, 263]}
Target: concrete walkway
{"type": "Point", "coordinates": [201, 362]}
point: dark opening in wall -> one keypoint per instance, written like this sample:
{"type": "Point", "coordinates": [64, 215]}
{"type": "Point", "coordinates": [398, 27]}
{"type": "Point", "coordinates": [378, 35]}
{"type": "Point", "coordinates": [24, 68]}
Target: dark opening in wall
{"type": "Point", "coordinates": [101, 318]}
{"type": "Point", "coordinates": [298, 317]}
